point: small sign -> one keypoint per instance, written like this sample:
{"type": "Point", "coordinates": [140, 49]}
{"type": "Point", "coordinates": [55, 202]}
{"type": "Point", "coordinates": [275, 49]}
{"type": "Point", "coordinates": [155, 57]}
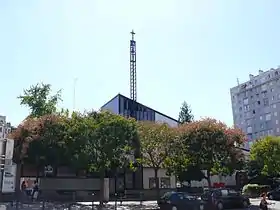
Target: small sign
{"type": "Point", "coordinates": [9, 179]}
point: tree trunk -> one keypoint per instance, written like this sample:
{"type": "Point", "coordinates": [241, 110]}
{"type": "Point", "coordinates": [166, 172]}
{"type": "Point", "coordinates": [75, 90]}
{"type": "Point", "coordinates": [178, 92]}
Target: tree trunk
{"type": "Point", "coordinates": [17, 187]}
{"type": "Point", "coordinates": [38, 173]}
{"type": "Point", "coordinates": [157, 184]}
{"type": "Point", "coordinates": [37, 168]}
{"type": "Point", "coordinates": [208, 177]}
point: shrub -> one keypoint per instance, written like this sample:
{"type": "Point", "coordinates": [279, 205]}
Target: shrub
{"type": "Point", "coordinates": [255, 189]}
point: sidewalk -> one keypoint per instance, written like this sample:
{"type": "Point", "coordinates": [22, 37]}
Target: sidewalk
{"type": "Point", "coordinates": [126, 205]}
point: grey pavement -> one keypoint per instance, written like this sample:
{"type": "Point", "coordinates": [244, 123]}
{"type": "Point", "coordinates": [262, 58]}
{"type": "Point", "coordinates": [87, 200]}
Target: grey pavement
{"type": "Point", "coordinates": [147, 205]}
{"type": "Point", "coordinates": [127, 205]}
{"type": "Point", "coordinates": [256, 201]}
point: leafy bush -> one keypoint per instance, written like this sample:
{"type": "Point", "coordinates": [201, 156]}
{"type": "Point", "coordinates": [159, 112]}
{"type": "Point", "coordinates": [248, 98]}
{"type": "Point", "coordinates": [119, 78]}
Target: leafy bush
{"type": "Point", "coordinates": [255, 189]}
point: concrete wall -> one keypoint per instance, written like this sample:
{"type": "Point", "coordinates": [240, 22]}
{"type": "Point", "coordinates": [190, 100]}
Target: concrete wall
{"type": "Point", "coordinates": [228, 180]}
{"type": "Point", "coordinates": [69, 184]}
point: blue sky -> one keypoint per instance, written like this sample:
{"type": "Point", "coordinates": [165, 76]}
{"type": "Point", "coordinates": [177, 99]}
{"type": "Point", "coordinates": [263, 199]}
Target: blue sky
{"type": "Point", "coordinates": [189, 50]}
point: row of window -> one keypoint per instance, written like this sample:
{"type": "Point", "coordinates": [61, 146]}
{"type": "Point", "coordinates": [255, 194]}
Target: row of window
{"type": "Point", "coordinates": [239, 117]}
{"type": "Point", "coordinates": [262, 79]}
{"type": "Point", "coordinates": [247, 107]}
{"type": "Point", "coordinates": [261, 126]}
{"type": "Point", "coordinates": [129, 108]}
{"type": "Point", "coordinates": [263, 89]}
{"type": "Point", "coordinates": [255, 104]}
{"type": "Point", "coordinates": [266, 117]}
{"type": "Point", "coordinates": [273, 98]}
{"type": "Point", "coordinates": [264, 102]}
{"type": "Point", "coordinates": [4, 131]}
{"type": "Point", "coordinates": [164, 182]}
{"type": "Point", "coordinates": [261, 134]}
{"type": "Point", "coordinates": [139, 115]}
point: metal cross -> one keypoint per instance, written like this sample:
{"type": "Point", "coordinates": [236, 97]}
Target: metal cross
{"type": "Point", "coordinates": [132, 33]}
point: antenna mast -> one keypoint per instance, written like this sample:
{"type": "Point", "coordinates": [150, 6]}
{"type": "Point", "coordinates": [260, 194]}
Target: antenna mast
{"type": "Point", "coordinates": [133, 93]}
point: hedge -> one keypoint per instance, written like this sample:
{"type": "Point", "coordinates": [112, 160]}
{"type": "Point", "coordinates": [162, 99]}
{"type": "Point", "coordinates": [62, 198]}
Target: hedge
{"type": "Point", "coordinates": [254, 190]}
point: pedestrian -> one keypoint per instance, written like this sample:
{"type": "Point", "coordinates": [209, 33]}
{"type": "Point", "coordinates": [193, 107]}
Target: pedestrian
{"type": "Point", "coordinates": [263, 203]}
{"type": "Point", "coordinates": [23, 186]}
{"type": "Point", "coordinates": [35, 191]}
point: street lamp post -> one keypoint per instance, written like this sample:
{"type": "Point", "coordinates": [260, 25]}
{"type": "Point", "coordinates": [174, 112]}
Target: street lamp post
{"type": "Point", "coordinates": [6, 155]}
{"type": "Point", "coordinates": [74, 93]}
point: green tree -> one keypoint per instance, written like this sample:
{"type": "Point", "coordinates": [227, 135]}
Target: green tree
{"type": "Point", "coordinates": [253, 168]}
{"type": "Point", "coordinates": [185, 114]}
{"type": "Point", "coordinates": [31, 140]}
{"type": "Point", "coordinates": [39, 100]}
{"type": "Point", "coordinates": [266, 152]}
{"type": "Point", "coordinates": [180, 164]}
{"type": "Point", "coordinates": [211, 146]}
{"type": "Point", "coordinates": [77, 129]}
{"type": "Point", "coordinates": [40, 141]}
{"type": "Point", "coordinates": [110, 140]}
{"type": "Point", "coordinates": [156, 143]}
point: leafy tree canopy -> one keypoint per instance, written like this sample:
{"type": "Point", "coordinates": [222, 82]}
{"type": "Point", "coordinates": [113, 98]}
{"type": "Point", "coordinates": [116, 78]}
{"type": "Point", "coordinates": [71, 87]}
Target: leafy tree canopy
{"type": "Point", "coordinates": [39, 140]}
{"type": "Point", "coordinates": [110, 140]}
{"type": "Point", "coordinates": [156, 142]}
{"type": "Point", "coordinates": [266, 152]}
{"type": "Point", "coordinates": [185, 114]}
{"type": "Point", "coordinates": [210, 145]}
{"type": "Point", "coordinates": [39, 100]}
{"type": "Point", "coordinates": [253, 168]}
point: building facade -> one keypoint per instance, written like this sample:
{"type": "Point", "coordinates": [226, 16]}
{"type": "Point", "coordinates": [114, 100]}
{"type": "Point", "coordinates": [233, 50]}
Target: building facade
{"type": "Point", "coordinates": [256, 105]}
{"type": "Point", "coordinates": [5, 127]}
{"type": "Point", "coordinates": [128, 108]}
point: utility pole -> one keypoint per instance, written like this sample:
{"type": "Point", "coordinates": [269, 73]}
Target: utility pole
{"type": "Point", "coordinates": [74, 93]}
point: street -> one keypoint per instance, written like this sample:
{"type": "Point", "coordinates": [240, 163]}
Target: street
{"type": "Point", "coordinates": [153, 205]}
{"type": "Point", "coordinates": [128, 205]}
{"type": "Point", "coordinates": [255, 204]}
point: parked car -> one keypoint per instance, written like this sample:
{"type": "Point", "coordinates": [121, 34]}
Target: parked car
{"type": "Point", "coordinates": [224, 198]}
{"type": "Point", "coordinates": [274, 194]}
{"type": "Point", "coordinates": [179, 201]}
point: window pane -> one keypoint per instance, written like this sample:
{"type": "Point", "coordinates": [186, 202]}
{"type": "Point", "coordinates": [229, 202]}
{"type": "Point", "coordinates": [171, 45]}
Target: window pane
{"type": "Point", "coordinates": [224, 192]}
{"type": "Point", "coordinates": [152, 183]}
{"type": "Point", "coordinates": [165, 182]}
{"type": "Point", "coordinates": [121, 105]}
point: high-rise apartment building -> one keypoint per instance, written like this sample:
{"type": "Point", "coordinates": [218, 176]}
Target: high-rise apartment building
{"type": "Point", "coordinates": [256, 105]}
